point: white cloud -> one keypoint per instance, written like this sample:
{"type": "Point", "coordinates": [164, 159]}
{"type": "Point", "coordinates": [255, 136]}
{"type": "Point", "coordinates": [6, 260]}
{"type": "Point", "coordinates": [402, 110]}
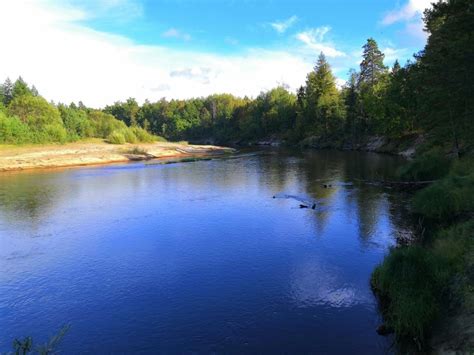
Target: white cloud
{"type": "Point", "coordinates": [411, 15]}
{"type": "Point", "coordinates": [414, 8]}
{"type": "Point", "coordinates": [391, 54]}
{"type": "Point", "coordinates": [174, 33]}
{"type": "Point", "coordinates": [68, 61]}
{"type": "Point", "coordinates": [314, 40]}
{"type": "Point", "coordinates": [117, 10]}
{"type": "Point", "coordinates": [282, 26]}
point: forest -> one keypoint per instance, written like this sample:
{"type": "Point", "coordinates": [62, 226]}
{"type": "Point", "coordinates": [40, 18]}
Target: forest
{"type": "Point", "coordinates": [432, 93]}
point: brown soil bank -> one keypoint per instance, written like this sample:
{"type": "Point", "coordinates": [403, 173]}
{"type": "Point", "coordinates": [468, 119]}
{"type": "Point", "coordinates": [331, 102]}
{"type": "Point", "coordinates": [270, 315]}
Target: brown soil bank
{"type": "Point", "coordinates": [14, 158]}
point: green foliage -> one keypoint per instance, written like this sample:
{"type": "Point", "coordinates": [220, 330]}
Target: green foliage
{"type": "Point", "coordinates": [412, 281]}
{"type": "Point", "coordinates": [142, 135]}
{"type": "Point", "coordinates": [35, 111]}
{"type": "Point", "coordinates": [129, 136]}
{"type": "Point", "coordinates": [76, 121]}
{"type": "Point", "coordinates": [116, 137]}
{"type": "Point", "coordinates": [446, 199]}
{"type": "Point", "coordinates": [451, 196]}
{"type": "Point", "coordinates": [372, 67]}
{"type": "Point", "coordinates": [104, 124]}
{"type": "Point", "coordinates": [431, 165]}
{"type": "Point", "coordinates": [408, 282]}
{"type": "Point", "coordinates": [13, 131]}
{"type": "Point", "coordinates": [430, 94]}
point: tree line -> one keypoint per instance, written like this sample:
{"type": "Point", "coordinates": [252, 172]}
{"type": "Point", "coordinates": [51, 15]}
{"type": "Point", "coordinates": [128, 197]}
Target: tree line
{"type": "Point", "coordinates": [432, 93]}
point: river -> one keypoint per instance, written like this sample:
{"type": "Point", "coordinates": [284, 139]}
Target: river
{"type": "Point", "coordinates": [198, 256]}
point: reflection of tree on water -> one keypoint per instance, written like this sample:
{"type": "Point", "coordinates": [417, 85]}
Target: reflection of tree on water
{"type": "Point", "coordinates": [25, 195]}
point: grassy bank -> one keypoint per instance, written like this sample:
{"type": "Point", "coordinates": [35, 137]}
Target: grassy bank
{"type": "Point", "coordinates": [421, 284]}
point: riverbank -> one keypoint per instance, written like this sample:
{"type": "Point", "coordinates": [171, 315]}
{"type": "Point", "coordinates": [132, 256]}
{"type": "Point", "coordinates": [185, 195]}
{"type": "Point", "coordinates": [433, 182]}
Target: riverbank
{"type": "Point", "coordinates": [96, 152]}
{"type": "Point", "coordinates": [426, 288]}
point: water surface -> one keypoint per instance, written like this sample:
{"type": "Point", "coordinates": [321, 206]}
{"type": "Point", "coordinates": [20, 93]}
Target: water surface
{"type": "Point", "coordinates": [198, 257]}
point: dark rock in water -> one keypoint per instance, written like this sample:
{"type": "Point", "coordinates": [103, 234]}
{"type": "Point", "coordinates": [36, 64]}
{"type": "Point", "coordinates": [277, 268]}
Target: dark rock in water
{"type": "Point", "coordinates": [303, 206]}
{"type": "Point", "coordinates": [313, 206]}
{"type": "Point", "coordinates": [326, 186]}
{"type": "Point", "coordinates": [384, 330]}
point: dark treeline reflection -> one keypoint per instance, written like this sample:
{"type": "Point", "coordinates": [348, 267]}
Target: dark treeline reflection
{"type": "Point", "coordinates": [199, 256]}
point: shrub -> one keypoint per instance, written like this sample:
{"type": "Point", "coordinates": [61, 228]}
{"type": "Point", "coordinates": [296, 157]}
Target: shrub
{"type": "Point", "coordinates": [136, 151]}
{"type": "Point", "coordinates": [105, 124]}
{"type": "Point", "coordinates": [13, 131]}
{"type": "Point", "coordinates": [129, 135]}
{"type": "Point", "coordinates": [116, 137]}
{"type": "Point", "coordinates": [429, 166]}
{"type": "Point", "coordinates": [142, 135]}
{"type": "Point", "coordinates": [55, 133]}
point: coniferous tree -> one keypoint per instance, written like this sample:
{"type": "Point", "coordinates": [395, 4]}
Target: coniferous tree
{"type": "Point", "coordinates": [447, 72]}
{"type": "Point", "coordinates": [7, 91]}
{"type": "Point", "coordinates": [323, 102]}
{"type": "Point", "coordinates": [372, 66]}
{"type": "Point", "coordinates": [20, 88]}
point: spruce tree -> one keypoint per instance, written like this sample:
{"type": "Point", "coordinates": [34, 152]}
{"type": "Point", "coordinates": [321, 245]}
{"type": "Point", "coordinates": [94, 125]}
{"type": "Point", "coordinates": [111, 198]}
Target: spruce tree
{"type": "Point", "coordinates": [323, 102]}
{"type": "Point", "coordinates": [7, 91]}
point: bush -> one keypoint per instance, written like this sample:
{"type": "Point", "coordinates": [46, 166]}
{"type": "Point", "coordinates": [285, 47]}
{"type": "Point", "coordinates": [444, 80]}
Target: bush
{"type": "Point", "coordinates": [116, 137]}
{"type": "Point", "coordinates": [429, 166]}
{"type": "Point", "coordinates": [55, 133]}
{"type": "Point", "coordinates": [13, 131]}
{"type": "Point", "coordinates": [105, 124]}
{"type": "Point", "coordinates": [142, 135]}
{"type": "Point", "coordinates": [129, 135]}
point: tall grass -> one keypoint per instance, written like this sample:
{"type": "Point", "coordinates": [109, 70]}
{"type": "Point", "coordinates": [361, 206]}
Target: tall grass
{"type": "Point", "coordinates": [413, 281]}
{"type": "Point", "coordinates": [431, 165]}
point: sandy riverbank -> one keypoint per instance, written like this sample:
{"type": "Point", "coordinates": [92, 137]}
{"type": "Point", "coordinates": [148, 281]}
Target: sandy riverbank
{"type": "Point", "coordinates": [13, 158]}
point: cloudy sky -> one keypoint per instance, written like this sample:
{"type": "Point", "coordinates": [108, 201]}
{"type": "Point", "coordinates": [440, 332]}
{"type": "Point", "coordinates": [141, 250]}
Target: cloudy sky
{"type": "Point", "coordinates": [108, 50]}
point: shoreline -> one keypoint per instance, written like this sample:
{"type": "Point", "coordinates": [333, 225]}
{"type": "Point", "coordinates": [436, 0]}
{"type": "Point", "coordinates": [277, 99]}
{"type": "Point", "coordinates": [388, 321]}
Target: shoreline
{"type": "Point", "coordinates": [70, 155]}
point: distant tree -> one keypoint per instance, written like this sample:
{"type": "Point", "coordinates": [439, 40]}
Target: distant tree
{"type": "Point", "coordinates": [20, 88]}
{"type": "Point", "coordinates": [7, 91]}
{"type": "Point", "coordinates": [372, 66]}
{"type": "Point", "coordinates": [323, 101]}
{"type": "Point", "coordinates": [351, 99]}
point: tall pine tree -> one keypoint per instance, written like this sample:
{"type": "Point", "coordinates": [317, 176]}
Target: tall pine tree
{"type": "Point", "coordinates": [371, 67]}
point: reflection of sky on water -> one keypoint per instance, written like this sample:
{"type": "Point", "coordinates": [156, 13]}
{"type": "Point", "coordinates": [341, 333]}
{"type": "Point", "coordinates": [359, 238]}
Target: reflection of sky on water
{"type": "Point", "coordinates": [198, 256]}
{"type": "Point", "coordinates": [317, 284]}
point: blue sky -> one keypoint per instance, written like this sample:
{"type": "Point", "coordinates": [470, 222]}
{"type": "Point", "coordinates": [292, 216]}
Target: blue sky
{"type": "Point", "coordinates": [184, 48]}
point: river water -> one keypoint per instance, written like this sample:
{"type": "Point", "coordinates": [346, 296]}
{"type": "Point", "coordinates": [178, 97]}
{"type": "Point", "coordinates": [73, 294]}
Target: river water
{"type": "Point", "coordinates": [199, 257]}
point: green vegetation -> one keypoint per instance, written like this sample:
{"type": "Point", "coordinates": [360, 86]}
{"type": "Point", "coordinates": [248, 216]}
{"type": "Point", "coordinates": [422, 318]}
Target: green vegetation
{"type": "Point", "coordinates": [26, 117]}
{"type": "Point", "coordinates": [417, 283]}
{"type": "Point", "coordinates": [431, 165]}
{"type": "Point", "coordinates": [431, 95]}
